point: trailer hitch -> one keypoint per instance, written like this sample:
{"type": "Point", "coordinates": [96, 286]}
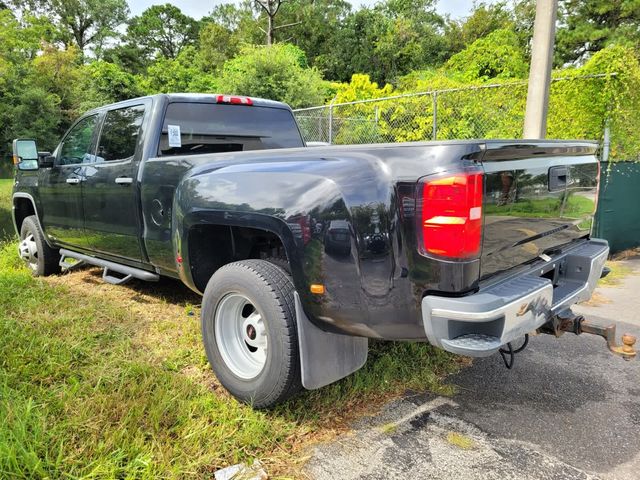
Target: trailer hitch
{"type": "Point", "coordinates": [567, 321]}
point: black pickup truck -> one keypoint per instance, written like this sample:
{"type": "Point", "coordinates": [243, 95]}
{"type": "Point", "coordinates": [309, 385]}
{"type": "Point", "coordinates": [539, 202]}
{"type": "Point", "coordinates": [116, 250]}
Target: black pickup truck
{"type": "Point", "coordinates": [304, 253]}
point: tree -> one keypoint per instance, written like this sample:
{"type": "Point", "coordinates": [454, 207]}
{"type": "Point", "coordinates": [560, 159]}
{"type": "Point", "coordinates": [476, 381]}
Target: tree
{"type": "Point", "coordinates": [270, 9]}
{"type": "Point", "coordinates": [498, 55]}
{"type": "Point", "coordinates": [587, 26]}
{"type": "Point", "coordinates": [162, 30]}
{"type": "Point", "coordinates": [352, 49]}
{"type": "Point", "coordinates": [278, 72]}
{"type": "Point", "coordinates": [28, 109]}
{"type": "Point", "coordinates": [385, 42]}
{"type": "Point", "coordinates": [127, 56]}
{"type": "Point", "coordinates": [483, 20]}
{"type": "Point", "coordinates": [58, 72]}
{"type": "Point", "coordinates": [104, 82]}
{"type": "Point", "coordinates": [180, 74]}
{"type": "Point", "coordinates": [217, 45]}
{"type": "Point", "coordinates": [311, 25]}
{"type": "Point", "coordinates": [85, 23]}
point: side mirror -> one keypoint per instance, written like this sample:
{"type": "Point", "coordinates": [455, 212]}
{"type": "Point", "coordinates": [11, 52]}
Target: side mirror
{"type": "Point", "coordinates": [46, 160]}
{"type": "Point", "coordinates": [25, 154]}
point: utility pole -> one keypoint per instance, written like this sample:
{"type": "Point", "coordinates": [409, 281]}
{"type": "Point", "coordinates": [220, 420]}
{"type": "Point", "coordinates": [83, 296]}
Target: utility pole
{"type": "Point", "coordinates": [544, 29]}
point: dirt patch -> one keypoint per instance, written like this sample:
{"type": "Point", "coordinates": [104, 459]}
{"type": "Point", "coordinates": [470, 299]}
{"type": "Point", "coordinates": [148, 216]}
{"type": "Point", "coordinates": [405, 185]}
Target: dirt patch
{"type": "Point", "coordinates": [167, 314]}
{"type": "Point", "coordinates": [596, 300]}
{"type": "Point", "coordinates": [627, 254]}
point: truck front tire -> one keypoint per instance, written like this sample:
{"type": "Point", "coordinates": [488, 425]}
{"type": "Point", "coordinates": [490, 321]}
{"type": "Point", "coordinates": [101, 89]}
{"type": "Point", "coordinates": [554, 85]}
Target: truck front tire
{"type": "Point", "coordinates": [41, 259]}
{"type": "Point", "coordinates": [250, 334]}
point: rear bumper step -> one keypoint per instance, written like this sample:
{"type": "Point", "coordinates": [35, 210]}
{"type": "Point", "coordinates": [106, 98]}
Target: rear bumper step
{"type": "Point", "coordinates": [478, 325]}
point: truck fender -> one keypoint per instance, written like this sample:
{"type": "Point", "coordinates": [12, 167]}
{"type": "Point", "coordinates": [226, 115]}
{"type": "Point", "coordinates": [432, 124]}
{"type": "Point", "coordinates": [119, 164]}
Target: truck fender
{"type": "Point", "coordinates": [325, 356]}
{"type": "Point", "coordinates": [31, 200]}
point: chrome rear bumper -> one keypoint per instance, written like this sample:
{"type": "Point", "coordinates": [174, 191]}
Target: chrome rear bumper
{"type": "Point", "coordinates": [478, 325]}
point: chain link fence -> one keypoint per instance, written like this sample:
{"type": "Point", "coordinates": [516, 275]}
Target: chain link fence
{"type": "Point", "coordinates": [487, 111]}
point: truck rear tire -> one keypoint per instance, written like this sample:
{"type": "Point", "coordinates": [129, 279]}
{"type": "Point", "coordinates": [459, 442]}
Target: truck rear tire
{"type": "Point", "coordinates": [39, 257]}
{"type": "Point", "coordinates": [250, 333]}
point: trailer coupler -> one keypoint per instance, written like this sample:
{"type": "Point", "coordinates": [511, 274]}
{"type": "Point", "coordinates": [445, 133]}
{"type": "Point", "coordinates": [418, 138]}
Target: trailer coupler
{"type": "Point", "coordinates": [567, 321]}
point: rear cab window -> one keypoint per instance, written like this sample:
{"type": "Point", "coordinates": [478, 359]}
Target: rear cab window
{"type": "Point", "coordinates": [191, 128]}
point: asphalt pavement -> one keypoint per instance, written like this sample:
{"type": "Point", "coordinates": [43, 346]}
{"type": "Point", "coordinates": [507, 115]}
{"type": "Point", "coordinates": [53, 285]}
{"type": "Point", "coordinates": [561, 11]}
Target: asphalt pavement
{"type": "Point", "coordinates": [567, 410]}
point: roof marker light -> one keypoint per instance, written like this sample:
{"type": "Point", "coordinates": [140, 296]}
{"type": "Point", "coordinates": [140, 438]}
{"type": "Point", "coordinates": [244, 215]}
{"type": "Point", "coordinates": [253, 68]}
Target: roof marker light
{"type": "Point", "coordinates": [234, 100]}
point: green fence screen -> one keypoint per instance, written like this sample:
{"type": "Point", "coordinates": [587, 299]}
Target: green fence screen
{"type": "Point", "coordinates": [618, 216]}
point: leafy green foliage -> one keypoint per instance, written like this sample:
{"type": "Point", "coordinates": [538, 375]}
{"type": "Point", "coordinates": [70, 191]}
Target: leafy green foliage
{"type": "Point", "coordinates": [6, 221]}
{"type": "Point", "coordinates": [483, 20]}
{"type": "Point", "coordinates": [217, 45]}
{"type": "Point", "coordinates": [181, 74]}
{"type": "Point", "coordinates": [580, 106]}
{"type": "Point", "coordinates": [162, 30]}
{"type": "Point", "coordinates": [84, 23]}
{"type": "Point", "coordinates": [386, 42]}
{"type": "Point", "coordinates": [107, 83]}
{"type": "Point", "coordinates": [583, 108]}
{"type": "Point", "coordinates": [277, 72]}
{"type": "Point", "coordinates": [498, 55]}
{"type": "Point", "coordinates": [588, 26]}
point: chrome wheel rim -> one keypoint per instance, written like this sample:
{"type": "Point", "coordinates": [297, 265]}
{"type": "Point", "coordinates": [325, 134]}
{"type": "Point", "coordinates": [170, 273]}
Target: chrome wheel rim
{"type": "Point", "coordinates": [28, 250]}
{"type": "Point", "coordinates": [241, 336]}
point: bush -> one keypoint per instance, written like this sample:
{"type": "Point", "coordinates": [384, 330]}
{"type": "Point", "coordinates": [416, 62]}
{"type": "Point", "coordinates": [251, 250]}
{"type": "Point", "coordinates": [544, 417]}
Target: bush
{"type": "Point", "coordinates": [181, 74]}
{"type": "Point", "coordinates": [498, 55]}
{"type": "Point", "coordinates": [278, 72]}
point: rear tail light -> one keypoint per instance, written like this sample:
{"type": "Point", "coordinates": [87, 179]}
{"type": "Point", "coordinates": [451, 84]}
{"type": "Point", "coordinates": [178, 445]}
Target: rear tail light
{"type": "Point", "coordinates": [451, 215]}
{"type": "Point", "coordinates": [234, 100]}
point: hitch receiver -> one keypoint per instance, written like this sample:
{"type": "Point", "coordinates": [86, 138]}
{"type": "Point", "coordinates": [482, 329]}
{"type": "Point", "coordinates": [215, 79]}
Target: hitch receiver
{"type": "Point", "coordinates": [567, 321]}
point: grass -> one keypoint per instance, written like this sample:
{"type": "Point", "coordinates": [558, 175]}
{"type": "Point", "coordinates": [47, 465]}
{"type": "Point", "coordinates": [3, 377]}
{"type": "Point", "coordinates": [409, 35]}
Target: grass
{"type": "Point", "coordinates": [6, 225]}
{"type": "Point", "coordinates": [99, 381]}
{"type": "Point", "coordinates": [618, 272]}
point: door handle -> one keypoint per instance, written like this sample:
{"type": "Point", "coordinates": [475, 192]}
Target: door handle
{"type": "Point", "coordinates": [73, 181]}
{"type": "Point", "coordinates": [124, 180]}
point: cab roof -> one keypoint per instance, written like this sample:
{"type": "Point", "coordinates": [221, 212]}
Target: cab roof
{"type": "Point", "coordinates": [195, 98]}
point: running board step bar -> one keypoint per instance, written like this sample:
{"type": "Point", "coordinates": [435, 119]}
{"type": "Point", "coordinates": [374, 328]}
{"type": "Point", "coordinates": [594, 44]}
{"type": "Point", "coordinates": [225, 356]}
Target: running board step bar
{"type": "Point", "coordinates": [114, 273]}
{"type": "Point", "coordinates": [68, 262]}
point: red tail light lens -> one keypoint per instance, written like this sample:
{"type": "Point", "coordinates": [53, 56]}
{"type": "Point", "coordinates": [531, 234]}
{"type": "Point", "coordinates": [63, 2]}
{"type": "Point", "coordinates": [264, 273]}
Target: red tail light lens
{"type": "Point", "coordinates": [451, 219]}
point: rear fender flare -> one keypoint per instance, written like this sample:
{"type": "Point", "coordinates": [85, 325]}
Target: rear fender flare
{"type": "Point", "coordinates": [235, 219]}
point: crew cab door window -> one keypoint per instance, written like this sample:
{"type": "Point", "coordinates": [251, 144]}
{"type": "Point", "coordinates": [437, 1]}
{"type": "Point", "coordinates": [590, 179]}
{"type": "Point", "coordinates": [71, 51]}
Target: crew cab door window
{"type": "Point", "coordinates": [119, 136]}
{"type": "Point", "coordinates": [110, 201]}
{"type": "Point", "coordinates": [76, 146]}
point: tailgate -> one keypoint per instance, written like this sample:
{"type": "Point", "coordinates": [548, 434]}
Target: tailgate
{"type": "Point", "coordinates": [537, 197]}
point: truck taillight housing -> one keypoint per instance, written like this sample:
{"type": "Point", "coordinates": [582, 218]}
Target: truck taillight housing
{"type": "Point", "coordinates": [451, 215]}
